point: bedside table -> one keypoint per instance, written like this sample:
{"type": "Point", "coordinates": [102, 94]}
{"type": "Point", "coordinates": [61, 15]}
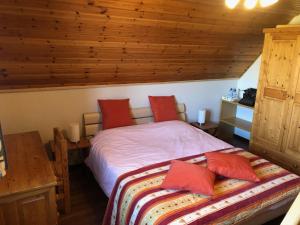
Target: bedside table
{"type": "Point", "coordinates": [84, 143]}
{"type": "Point", "coordinates": [208, 127]}
{"type": "Point", "coordinates": [78, 151]}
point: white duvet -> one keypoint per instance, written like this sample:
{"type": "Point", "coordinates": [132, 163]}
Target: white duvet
{"type": "Point", "coordinates": [120, 150]}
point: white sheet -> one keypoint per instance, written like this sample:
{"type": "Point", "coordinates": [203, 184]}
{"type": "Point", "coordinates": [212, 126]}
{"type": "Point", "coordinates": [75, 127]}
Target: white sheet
{"type": "Point", "coordinates": [120, 150]}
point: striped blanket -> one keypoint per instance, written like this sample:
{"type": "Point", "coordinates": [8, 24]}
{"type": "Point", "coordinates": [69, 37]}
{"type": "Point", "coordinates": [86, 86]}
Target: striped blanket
{"type": "Point", "coordinates": [138, 199]}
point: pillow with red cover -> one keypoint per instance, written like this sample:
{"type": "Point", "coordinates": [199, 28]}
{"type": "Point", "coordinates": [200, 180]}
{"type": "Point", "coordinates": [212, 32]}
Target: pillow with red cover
{"type": "Point", "coordinates": [232, 166]}
{"type": "Point", "coordinates": [115, 113]}
{"type": "Point", "coordinates": [163, 108]}
{"type": "Point", "coordinates": [190, 177]}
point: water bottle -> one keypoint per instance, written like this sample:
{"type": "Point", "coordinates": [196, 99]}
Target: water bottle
{"type": "Point", "coordinates": [230, 94]}
{"type": "Point", "coordinates": [234, 94]}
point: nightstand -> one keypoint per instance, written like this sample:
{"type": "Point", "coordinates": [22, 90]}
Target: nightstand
{"type": "Point", "coordinates": [84, 143]}
{"type": "Point", "coordinates": [208, 127]}
{"type": "Point", "coordinates": [78, 151]}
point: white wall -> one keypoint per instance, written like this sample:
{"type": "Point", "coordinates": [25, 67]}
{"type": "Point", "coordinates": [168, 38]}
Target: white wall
{"type": "Point", "coordinates": [248, 80]}
{"type": "Point", "coordinates": [250, 77]}
{"type": "Point", "coordinates": [43, 110]}
{"type": "Point", "coordinates": [295, 20]}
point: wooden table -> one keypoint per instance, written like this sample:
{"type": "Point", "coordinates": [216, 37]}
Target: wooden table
{"type": "Point", "coordinates": [27, 192]}
{"type": "Point", "coordinates": [78, 151]}
{"type": "Point", "coordinates": [84, 143]}
{"type": "Point", "coordinates": [209, 127]}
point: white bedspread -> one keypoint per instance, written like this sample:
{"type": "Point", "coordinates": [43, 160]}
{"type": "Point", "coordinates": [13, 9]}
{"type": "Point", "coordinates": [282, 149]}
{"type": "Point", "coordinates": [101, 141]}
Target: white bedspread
{"type": "Point", "coordinates": [120, 150]}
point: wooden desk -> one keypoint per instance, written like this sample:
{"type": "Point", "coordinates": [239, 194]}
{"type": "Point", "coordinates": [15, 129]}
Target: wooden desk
{"type": "Point", "coordinates": [27, 192]}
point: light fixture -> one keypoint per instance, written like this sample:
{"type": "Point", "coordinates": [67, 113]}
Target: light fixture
{"type": "Point", "coordinates": [266, 3]}
{"type": "Point", "coordinates": [231, 4]}
{"type": "Point", "coordinates": [250, 4]}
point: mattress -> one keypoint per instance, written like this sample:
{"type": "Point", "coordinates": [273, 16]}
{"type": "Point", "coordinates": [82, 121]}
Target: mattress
{"type": "Point", "coordinates": [117, 151]}
{"type": "Point", "coordinates": [138, 199]}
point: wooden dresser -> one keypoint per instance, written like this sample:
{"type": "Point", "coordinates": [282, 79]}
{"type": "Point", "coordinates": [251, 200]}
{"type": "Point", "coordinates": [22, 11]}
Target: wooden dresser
{"type": "Point", "coordinates": [27, 192]}
{"type": "Point", "coordinates": [276, 122]}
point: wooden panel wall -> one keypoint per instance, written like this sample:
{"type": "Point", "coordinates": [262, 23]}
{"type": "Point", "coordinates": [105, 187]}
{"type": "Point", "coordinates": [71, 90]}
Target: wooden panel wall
{"type": "Point", "coordinates": [47, 43]}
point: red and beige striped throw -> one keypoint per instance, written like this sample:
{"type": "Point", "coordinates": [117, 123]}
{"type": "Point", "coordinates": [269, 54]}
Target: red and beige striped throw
{"type": "Point", "coordinates": [138, 199]}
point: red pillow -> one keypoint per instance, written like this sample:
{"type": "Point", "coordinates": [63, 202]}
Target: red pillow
{"type": "Point", "coordinates": [232, 166]}
{"type": "Point", "coordinates": [163, 108]}
{"type": "Point", "coordinates": [191, 177]}
{"type": "Point", "coordinates": [115, 113]}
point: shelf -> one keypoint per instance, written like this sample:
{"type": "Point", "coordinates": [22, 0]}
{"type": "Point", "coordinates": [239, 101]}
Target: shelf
{"type": "Point", "coordinates": [237, 122]}
{"type": "Point", "coordinates": [237, 104]}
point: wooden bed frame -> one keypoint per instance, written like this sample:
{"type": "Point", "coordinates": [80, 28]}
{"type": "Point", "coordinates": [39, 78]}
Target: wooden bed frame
{"type": "Point", "coordinates": [92, 122]}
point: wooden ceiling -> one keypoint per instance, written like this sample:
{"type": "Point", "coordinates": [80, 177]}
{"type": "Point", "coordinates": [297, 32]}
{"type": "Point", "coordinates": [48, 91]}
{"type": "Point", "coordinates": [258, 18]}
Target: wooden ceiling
{"type": "Point", "coordinates": [80, 42]}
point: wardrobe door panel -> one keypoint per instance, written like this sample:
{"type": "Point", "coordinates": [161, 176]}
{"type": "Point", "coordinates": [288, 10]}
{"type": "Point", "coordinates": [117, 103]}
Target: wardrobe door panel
{"type": "Point", "coordinates": [280, 64]}
{"type": "Point", "coordinates": [292, 145]}
{"type": "Point", "coordinates": [294, 131]}
{"type": "Point", "coordinates": [271, 104]}
{"type": "Point", "coordinates": [271, 121]}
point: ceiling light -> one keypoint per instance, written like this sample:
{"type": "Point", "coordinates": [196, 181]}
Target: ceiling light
{"type": "Point", "coordinates": [231, 4]}
{"type": "Point", "coordinates": [250, 4]}
{"type": "Point", "coordinates": [266, 3]}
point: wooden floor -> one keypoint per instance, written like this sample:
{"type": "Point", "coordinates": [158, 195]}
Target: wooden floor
{"type": "Point", "coordinates": [89, 202]}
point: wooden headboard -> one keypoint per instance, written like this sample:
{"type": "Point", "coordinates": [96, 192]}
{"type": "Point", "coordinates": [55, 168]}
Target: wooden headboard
{"type": "Point", "coordinates": [92, 122]}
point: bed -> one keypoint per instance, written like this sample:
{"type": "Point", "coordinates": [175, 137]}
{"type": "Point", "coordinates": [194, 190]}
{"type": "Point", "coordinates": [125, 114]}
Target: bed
{"type": "Point", "coordinates": [129, 163]}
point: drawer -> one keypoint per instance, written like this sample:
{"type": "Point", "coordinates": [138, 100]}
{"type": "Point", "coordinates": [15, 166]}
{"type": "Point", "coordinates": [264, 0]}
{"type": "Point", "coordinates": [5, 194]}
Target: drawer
{"type": "Point", "coordinates": [36, 208]}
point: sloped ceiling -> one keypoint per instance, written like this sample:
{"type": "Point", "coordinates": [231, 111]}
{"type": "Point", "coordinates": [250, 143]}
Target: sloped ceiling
{"type": "Point", "coordinates": [80, 42]}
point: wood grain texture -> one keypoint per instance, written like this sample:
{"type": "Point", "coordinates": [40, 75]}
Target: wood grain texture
{"type": "Point", "coordinates": [29, 166]}
{"type": "Point", "coordinates": [271, 105]}
{"type": "Point", "coordinates": [59, 147]}
{"type": "Point", "coordinates": [27, 192]}
{"type": "Point", "coordinates": [84, 42]}
{"type": "Point", "coordinates": [291, 141]}
{"type": "Point", "coordinates": [276, 120]}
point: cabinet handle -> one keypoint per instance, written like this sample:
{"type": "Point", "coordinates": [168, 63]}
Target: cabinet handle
{"type": "Point", "coordinates": [295, 166]}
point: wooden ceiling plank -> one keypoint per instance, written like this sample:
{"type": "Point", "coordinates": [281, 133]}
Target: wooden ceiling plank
{"type": "Point", "coordinates": [83, 42]}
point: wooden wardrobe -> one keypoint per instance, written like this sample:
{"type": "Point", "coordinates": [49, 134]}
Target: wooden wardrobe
{"type": "Point", "coordinates": [276, 122]}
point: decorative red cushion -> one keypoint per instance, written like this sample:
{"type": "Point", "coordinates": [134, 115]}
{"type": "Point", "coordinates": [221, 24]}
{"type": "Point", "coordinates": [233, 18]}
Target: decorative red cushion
{"type": "Point", "coordinates": [232, 166]}
{"type": "Point", "coordinates": [163, 108]}
{"type": "Point", "coordinates": [115, 113]}
{"type": "Point", "coordinates": [191, 177]}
